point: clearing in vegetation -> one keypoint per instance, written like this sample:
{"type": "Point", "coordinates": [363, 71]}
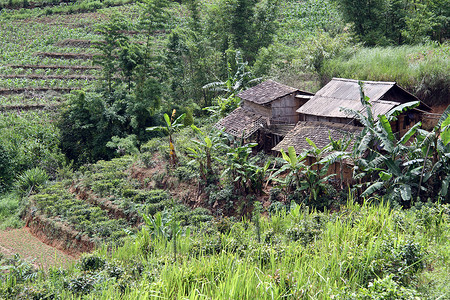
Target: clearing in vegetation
{"type": "Point", "coordinates": [32, 249]}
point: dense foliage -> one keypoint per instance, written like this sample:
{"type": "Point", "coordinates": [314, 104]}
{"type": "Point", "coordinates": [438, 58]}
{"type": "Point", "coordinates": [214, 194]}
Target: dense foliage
{"type": "Point", "coordinates": [27, 141]}
{"type": "Point", "coordinates": [360, 252]}
{"type": "Point", "coordinates": [395, 22]}
{"type": "Point", "coordinates": [130, 163]}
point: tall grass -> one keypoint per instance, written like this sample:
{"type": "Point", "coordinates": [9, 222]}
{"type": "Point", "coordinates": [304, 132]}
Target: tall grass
{"type": "Point", "coordinates": [421, 69]}
{"type": "Point", "coordinates": [360, 250]}
{"type": "Point", "coordinates": [9, 204]}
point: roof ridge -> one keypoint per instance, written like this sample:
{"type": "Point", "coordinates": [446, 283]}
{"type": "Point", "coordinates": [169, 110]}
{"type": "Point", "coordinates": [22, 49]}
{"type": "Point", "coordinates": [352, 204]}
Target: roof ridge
{"type": "Point", "coordinates": [365, 81]}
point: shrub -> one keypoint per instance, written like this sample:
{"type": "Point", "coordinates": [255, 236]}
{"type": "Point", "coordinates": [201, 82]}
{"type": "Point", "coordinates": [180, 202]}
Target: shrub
{"type": "Point", "coordinates": [6, 169]}
{"type": "Point", "coordinates": [383, 288]}
{"type": "Point", "coordinates": [30, 181]}
{"type": "Point", "coordinates": [91, 263]}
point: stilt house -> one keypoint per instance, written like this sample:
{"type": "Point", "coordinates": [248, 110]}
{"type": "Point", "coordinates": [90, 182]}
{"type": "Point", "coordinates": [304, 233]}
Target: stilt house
{"type": "Point", "coordinates": [321, 117]}
{"type": "Point", "coordinates": [326, 104]}
{"type": "Point", "coordinates": [263, 106]}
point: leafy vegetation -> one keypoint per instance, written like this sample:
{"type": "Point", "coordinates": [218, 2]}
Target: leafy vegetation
{"type": "Point", "coordinates": [214, 219]}
{"type": "Point", "coordinates": [421, 69]}
{"type": "Point", "coordinates": [359, 252]}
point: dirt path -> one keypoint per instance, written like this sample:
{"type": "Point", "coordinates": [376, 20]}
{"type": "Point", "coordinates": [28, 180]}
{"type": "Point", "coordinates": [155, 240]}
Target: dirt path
{"type": "Point", "coordinates": [22, 242]}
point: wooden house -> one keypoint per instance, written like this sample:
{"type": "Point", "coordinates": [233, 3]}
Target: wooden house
{"type": "Point", "coordinates": [264, 105]}
{"type": "Point", "coordinates": [326, 104]}
{"type": "Point", "coordinates": [320, 133]}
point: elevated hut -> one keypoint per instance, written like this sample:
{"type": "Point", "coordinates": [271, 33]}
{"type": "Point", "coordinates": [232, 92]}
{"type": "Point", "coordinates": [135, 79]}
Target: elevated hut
{"type": "Point", "coordinates": [321, 133]}
{"type": "Point", "coordinates": [326, 104]}
{"type": "Point", "coordinates": [264, 107]}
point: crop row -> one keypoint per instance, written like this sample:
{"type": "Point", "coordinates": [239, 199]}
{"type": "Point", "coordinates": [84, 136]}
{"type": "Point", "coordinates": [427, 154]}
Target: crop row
{"type": "Point", "coordinates": [56, 202]}
{"type": "Point", "coordinates": [77, 7]}
{"type": "Point", "coordinates": [53, 67]}
{"type": "Point", "coordinates": [65, 55]}
{"type": "Point", "coordinates": [4, 108]}
{"type": "Point", "coordinates": [17, 83]}
{"type": "Point", "coordinates": [47, 77]}
{"type": "Point", "coordinates": [65, 73]}
{"type": "Point", "coordinates": [30, 98]}
{"type": "Point", "coordinates": [12, 91]}
{"type": "Point", "coordinates": [18, 4]}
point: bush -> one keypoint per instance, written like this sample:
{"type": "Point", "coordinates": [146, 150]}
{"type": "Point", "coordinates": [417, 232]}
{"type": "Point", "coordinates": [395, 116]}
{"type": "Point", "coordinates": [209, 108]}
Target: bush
{"type": "Point", "coordinates": [383, 288]}
{"type": "Point", "coordinates": [30, 181]}
{"type": "Point", "coordinates": [91, 263]}
{"type": "Point", "coordinates": [28, 140]}
{"type": "Point", "coordinates": [6, 169]}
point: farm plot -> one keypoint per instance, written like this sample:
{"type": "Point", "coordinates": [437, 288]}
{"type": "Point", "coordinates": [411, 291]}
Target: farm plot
{"type": "Point", "coordinates": [34, 72]}
{"type": "Point", "coordinates": [44, 58]}
{"type": "Point", "coordinates": [102, 206]}
{"type": "Point", "coordinates": [109, 184]}
{"type": "Point", "coordinates": [30, 248]}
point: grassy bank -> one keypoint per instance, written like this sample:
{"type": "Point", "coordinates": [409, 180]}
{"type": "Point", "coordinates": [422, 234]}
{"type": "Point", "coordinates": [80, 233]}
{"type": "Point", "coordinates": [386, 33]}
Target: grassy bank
{"type": "Point", "coordinates": [422, 70]}
{"type": "Point", "coordinates": [360, 252]}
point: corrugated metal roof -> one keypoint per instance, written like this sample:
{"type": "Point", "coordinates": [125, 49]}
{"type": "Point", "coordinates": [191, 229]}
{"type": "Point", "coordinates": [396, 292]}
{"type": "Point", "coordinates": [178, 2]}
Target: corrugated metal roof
{"type": "Point", "coordinates": [241, 123]}
{"type": "Point", "coordinates": [319, 133]}
{"type": "Point", "coordinates": [267, 92]}
{"type": "Point", "coordinates": [341, 92]}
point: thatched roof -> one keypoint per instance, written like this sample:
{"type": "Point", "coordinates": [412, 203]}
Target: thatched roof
{"type": "Point", "coordinates": [268, 91]}
{"type": "Point", "coordinates": [345, 93]}
{"type": "Point", "coordinates": [319, 133]}
{"type": "Point", "coordinates": [241, 123]}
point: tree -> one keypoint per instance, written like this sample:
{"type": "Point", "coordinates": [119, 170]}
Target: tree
{"type": "Point", "coordinates": [109, 48]}
{"type": "Point", "coordinates": [247, 25]}
{"type": "Point", "coordinates": [368, 19]}
{"type": "Point", "coordinates": [87, 122]}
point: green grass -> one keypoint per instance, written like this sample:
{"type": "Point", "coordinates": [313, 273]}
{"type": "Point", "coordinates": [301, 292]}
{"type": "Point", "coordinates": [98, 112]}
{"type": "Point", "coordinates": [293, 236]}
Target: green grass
{"type": "Point", "coordinates": [9, 205]}
{"type": "Point", "coordinates": [360, 251]}
{"type": "Point", "coordinates": [422, 70]}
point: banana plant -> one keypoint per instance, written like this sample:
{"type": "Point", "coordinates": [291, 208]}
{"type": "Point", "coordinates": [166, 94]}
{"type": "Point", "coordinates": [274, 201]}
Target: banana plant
{"type": "Point", "coordinates": [293, 165]}
{"type": "Point", "coordinates": [246, 176]}
{"type": "Point", "coordinates": [339, 154]}
{"type": "Point", "coordinates": [172, 126]}
{"type": "Point", "coordinates": [388, 162]}
{"type": "Point", "coordinates": [235, 83]}
{"type": "Point", "coordinates": [202, 152]}
{"type": "Point", "coordinates": [159, 225]}
{"type": "Point", "coordinates": [435, 142]}
{"type": "Point", "coordinates": [310, 179]}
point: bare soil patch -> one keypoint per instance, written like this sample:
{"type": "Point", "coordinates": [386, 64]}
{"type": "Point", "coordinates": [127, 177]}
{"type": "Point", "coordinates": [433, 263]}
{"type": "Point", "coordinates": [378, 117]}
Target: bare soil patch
{"type": "Point", "coordinates": [47, 77]}
{"type": "Point", "coordinates": [65, 55]}
{"type": "Point", "coordinates": [22, 242]}
{"type": "Point", "coordinates": [53, 67]}
{"type": "Point", "coordinates": [75, 43]}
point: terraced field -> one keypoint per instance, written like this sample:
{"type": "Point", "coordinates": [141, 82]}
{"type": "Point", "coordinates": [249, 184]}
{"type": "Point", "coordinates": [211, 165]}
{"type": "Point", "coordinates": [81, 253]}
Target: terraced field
{"type": "Point", "coordinates": [44, 58]}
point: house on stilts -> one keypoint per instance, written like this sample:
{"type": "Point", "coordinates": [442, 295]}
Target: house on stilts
{"type": "Point", "coordinates": [267, 113]}
{"type": "Point", "coordinates": [278, 116]}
